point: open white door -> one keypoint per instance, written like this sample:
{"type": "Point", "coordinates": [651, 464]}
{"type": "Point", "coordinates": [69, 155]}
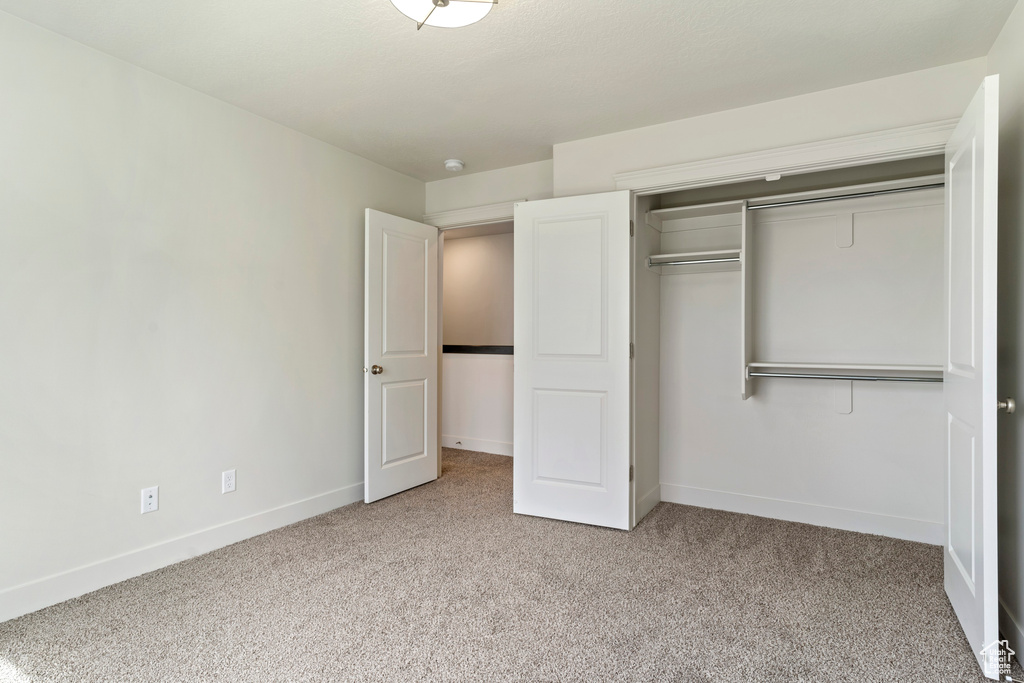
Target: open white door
{"type": "Point", "coordinates": [400, 355]}
{"type": "Point", "coordinates": [571, 379]}
{"type": "Point", "coordinates": [970, 373]}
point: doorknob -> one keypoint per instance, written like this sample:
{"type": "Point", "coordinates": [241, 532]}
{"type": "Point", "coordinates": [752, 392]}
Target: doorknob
{"type": "Point", "coordinates": [1009, 405]}
{"type": "Point", "coordinates": [376, 370]}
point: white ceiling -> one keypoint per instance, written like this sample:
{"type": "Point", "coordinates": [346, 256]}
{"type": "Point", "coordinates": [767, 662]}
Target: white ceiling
{"type": "Point", "coordinates": [357, 74]}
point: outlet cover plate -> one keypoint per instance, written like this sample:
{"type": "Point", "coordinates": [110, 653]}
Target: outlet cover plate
{"type": "Point", "coordinates": [227, 481]}
{"type": "Point", "coordinates": [150, 499]}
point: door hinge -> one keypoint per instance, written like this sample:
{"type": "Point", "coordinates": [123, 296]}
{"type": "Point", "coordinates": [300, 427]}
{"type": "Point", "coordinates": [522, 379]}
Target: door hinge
{"type": "Point", "coordinates": [631, 473]}
{"type": "Point", "coordinates": [631, 350]}
{"type": "Point", "coordinates": [631, 228]}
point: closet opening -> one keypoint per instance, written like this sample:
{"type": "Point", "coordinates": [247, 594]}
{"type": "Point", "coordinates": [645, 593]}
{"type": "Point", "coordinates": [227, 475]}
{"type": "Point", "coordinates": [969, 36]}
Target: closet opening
{"type": "Point", "coordinates": [476, 320]}
{"type": "Point", "coordinates": [790, 341]}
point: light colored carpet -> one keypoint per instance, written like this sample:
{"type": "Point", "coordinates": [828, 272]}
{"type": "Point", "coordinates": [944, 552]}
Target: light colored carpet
{"type": "Point", "coordinates": [444, 583]}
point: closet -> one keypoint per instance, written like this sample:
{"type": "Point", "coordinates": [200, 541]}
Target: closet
{"type": "Point", "coordinates": [815, 343]}
{"type": "Point", "coordinates": [799, 354]}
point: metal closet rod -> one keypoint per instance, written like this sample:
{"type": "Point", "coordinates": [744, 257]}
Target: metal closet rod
{"type": "Point", "coordinates": [694, 262]}
{"type": "Point", "coordinates": [865, 378]}
{"type": "Point", "coordinates": [835, 198]}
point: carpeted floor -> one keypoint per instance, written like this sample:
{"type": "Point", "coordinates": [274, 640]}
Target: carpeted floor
{"type": "Point", "coordinates": [444, 583]}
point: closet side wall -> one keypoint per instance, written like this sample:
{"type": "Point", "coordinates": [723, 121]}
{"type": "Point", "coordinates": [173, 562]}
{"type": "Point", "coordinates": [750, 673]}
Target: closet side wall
{"type": "Point", "coordinates": [794, 450]}
{"type": "Point", "coordinates": [646, 361]}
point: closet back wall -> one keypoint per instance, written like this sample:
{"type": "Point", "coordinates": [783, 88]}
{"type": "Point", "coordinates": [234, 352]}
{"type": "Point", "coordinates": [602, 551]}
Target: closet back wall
{"type": "Point", "coordinates": [478, 290]}
{"type": "Point", "coordinates": [794, 450]}
{"type": "Point", "coordinates": [476, 401]}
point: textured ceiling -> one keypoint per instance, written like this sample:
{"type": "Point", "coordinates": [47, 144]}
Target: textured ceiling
{"type": "Point", "coordinates": [357, 74]}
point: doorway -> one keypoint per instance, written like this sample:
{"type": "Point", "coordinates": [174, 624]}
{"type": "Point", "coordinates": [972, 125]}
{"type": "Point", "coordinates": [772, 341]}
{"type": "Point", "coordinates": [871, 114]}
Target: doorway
{"type": "Point", "coordinates": [476, 332]}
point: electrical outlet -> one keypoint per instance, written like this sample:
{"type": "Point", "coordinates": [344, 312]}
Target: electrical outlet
{"type": "Point", "coordinates": [150, 499]}
{"type": "Point", "coordinates": [227, 481]}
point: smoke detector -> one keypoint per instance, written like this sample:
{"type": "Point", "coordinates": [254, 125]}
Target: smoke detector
{"type": "Point", "coordinates": [454, 165]}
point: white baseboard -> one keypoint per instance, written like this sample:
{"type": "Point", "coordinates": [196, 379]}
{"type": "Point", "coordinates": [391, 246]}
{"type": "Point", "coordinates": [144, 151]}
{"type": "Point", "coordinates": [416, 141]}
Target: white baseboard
{"type": "Point", "coordinates": [807, 513]}
{"type": "Point", "coordinates": [482, 445]}
{"type": "Point", "coordinates": [1010, 628]}
{"type": "Point", "coordinates": [35, 595]}
{"type": "Point", "coordinates": [647, 502]}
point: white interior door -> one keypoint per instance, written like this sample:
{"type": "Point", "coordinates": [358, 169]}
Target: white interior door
{"type": "Point", "coordinates": [970, 371]}
{"type": "Point", "coordinates": [400, 355]}
{"type": "Point", "coordinates": [571, 378]}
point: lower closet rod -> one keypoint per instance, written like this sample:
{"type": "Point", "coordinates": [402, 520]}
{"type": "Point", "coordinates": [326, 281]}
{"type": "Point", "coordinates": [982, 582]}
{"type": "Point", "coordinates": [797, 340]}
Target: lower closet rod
{"type": "Point", "coordinates": [867, 378]}
{"type": "Point", "coordinates": [694, 262]}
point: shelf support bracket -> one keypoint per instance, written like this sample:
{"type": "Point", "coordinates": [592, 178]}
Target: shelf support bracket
{"type": "Point", "coordinates": [844, 230]}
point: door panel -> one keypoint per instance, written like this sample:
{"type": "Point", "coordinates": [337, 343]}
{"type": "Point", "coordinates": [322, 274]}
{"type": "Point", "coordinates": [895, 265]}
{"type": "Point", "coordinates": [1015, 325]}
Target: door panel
{"type": "Point", "coordinates": [400, 338]}
{"type": "Point", "coordinates": [969, 377]}
{"type": "Point", "coordinates": [405, 316]}
{"type": "Point", "coordinates": [571, 377]}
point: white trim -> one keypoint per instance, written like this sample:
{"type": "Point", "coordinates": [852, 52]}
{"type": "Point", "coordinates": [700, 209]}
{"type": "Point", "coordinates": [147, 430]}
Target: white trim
{"type": "Point", "coordinates": [476, 215]}
{"type": "Point", "coordinates": [481, 445]}
{"type": "Point", "coordinates": [807, 513]}
{"type": "Point", "coordinates": [856, 150]}
{"type": "Point", "coordinates": [50, 590]}
{"type": "Point", "coordinates": [647, 502]}
{"type": "Point", "coordinates": [1010, 628]}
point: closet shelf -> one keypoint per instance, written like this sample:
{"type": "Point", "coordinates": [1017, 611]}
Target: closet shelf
{"type": "Point", "coordinates": [848, 371]}
{"type": "Point", "coordinates": [697, 261]}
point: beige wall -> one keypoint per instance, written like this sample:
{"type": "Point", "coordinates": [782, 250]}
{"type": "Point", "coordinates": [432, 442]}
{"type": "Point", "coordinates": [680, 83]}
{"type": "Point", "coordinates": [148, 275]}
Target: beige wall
{"type": "Point", "coordinates": [527, 181]}
{"type": "Point", "coordinates": [181, 292]}
{"type": "Point", "coordinates": [1007, 60]}
{"type": "Point", "coordinates": [478, 290]}
{"type": "Point", "coordinates": [589, 165]}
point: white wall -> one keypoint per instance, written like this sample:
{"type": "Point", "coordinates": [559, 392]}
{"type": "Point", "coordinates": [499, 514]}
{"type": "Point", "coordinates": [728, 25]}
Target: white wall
{"type": "Point", "coordinates": [476, 407]}
{"type": "Point", "coordinates": [181, 289]}
{"type": "Point", "coordinates": [1007, 60]}
{"type": "Point", "coordinates": [589, 165]}
{"type": "Point", "coordinates": [478, 290]}
{"type": "Point", "coordinates": [527, 181]}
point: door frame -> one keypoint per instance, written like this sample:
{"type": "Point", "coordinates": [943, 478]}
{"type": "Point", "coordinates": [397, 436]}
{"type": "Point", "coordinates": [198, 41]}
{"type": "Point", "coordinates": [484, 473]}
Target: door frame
{"type": "Point", "coordinates": [489, 214]}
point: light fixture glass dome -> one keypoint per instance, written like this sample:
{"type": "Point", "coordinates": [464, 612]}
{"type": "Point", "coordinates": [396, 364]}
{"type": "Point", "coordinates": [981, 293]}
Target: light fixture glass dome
{"type": "Point", "coordinates": [444, 13]}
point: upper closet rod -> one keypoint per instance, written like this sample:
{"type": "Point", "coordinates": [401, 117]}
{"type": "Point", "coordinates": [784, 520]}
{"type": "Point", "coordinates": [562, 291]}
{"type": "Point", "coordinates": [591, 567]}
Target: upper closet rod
{"type": "Point", "coordinates": [835, 198]}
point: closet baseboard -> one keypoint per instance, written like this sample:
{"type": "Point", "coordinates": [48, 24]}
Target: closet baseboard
{"type": "Point", "coordinates": [807, 513]}
{"type": "Point", "coordinates": [482, 445]}
{"type": "Point", "coordinates": [54, 589]}
{"type": "Point", "coordinates": [1010, 627]}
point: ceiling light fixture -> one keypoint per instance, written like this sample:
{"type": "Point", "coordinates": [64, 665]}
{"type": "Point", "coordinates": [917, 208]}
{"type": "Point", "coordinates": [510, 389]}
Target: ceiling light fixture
{"type": "Point", "coordinates": [444, 13]}
{"type": "Point", "coordinates": [454, 165]}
